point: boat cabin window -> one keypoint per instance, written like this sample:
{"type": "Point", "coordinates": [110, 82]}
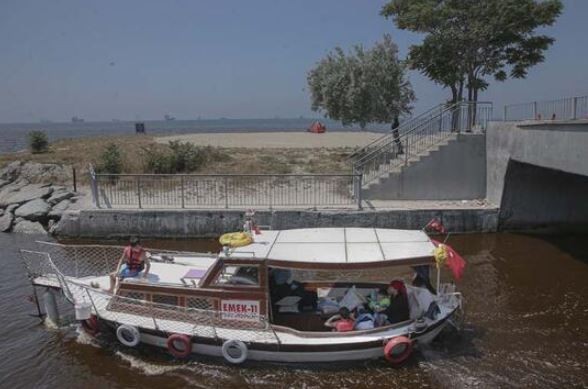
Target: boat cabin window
{"type": "Point", "coordinates": [238, 275]}
{"type": "Point", "coordinates": [164, 299]}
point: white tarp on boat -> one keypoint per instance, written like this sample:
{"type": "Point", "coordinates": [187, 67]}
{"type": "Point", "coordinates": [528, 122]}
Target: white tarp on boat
{"type": "Point", "coordinates": [338, 245]}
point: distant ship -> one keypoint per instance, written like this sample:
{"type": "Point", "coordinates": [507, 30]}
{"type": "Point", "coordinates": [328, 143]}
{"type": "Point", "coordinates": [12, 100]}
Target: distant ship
{"type": "Point", "coordinates": [76, 119]}
{"type": "Point", "coordinates": [169, 118]}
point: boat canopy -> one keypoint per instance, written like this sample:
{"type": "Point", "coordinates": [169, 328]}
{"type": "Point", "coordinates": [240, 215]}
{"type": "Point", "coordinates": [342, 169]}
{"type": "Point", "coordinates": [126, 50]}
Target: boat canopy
{"type": "Point", "coordinates": [347, 247]}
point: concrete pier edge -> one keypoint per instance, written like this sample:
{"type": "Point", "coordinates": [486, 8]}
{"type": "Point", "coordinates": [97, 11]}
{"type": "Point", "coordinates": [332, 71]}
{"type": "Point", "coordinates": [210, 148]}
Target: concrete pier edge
{"type": "Point", "coordinates": [110, 223]}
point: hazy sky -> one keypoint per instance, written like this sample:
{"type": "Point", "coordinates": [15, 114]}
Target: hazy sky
{"type": "Point", "coordinates": [241, 59]}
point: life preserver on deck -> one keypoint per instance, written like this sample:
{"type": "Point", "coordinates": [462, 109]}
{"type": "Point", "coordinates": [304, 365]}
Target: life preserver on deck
{"type": "Point", "coordinates": [91, 326]}
{"type": "Point", "coordinates": [397, 350]}
{"type": "Point", "coordinates": [183, 341]}
{"type": "Point", "coordinates": [235, 239]}
{"type": "Point", "coordinates": [234, 351]}
{"type": "Point", "coordinates": [128, 335]}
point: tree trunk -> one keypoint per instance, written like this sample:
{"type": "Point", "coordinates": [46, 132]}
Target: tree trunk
{"type": "Point", "coordinates": [396, 135]}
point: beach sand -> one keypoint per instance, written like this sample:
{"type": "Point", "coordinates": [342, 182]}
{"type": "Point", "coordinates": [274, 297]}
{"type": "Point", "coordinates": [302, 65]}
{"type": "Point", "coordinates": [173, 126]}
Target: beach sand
{"type": "Point", "coordinates": [277, 140]}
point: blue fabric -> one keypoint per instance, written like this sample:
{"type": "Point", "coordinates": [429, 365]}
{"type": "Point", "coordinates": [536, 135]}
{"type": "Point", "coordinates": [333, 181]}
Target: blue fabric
{"type": "Point", "coordinates": [125, 272]}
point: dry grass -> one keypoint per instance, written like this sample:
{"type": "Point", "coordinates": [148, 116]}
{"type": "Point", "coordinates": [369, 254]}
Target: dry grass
{"type": "Point", "coordinates": [81, 152]}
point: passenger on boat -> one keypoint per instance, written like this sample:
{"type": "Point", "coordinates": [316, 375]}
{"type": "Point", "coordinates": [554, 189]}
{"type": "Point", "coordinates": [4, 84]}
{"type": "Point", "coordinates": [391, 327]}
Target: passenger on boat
{"type": "Point", "coordinates": [342, 322]}
{"type": "Point", "coordinates": [364, 320]}
{"type": "Point", "coordinates": [398, 310]}
{"type": "Point", "coordinates": [136, 260]}
{"type": "Point", "coordinates": [379, 305]}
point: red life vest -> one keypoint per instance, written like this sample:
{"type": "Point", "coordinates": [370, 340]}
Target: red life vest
{"type": "Point", "coordinates": [344, 325]}
{"type": "Point", "coordinates": [134, 257]}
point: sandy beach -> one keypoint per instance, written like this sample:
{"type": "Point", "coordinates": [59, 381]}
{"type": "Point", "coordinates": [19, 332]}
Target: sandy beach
{"type": "Point", "coordinates": [277, 140]}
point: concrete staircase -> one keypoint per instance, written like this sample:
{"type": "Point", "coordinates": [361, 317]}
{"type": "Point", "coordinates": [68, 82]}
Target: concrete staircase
{"type": "Point", "coordinates": [451, 167]}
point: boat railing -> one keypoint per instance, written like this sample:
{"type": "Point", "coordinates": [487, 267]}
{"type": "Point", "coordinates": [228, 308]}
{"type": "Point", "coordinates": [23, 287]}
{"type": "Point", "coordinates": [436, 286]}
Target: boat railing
{"type": "Point", "coordinates": [147, 314]}
{"type": "Point", "coordinates": [96, 260]}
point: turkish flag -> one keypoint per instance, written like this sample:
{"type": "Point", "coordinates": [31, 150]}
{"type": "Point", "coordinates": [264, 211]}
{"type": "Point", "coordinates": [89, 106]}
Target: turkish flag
{"type": "Point", "coordinates": [454, 261]}
{"type": "Point", "coordinates": [436, 225]}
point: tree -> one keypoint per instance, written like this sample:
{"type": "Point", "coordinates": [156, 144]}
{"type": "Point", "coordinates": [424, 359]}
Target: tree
{"type": "Point", "coordinates": [363, 86]}
{"type": "Point", "coordinates": [468, 40]}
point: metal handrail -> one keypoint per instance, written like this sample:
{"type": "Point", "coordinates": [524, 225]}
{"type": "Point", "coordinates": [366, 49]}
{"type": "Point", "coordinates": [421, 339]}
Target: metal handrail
{"type": "Point", "coordinates": [400, 129]}
{"type": "Point", "coordinates": [424, 136]}
{"type": "Point", "coordinates": [565, 108]}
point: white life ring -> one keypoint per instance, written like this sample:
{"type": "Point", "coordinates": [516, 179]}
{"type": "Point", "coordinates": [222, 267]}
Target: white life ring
{"type": "Point", "coordinates": [234, 351]}
{"type": "Point", "coordinates": [128, 335]}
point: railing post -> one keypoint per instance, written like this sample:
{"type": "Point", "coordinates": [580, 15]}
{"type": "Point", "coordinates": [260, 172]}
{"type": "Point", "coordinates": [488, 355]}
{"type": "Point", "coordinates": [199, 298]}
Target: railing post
{"type": "Point", "coordinates": [504, 113]}
{"type": "Point", "coordinates": [574, 108]}
{"type": "Point", "coordinates": [182, 190]}
{"type": "Point", "coordinates": [358, 194]}
{"type": "Point", "coordinates": [94, 186]}
{"type": "Point", "coordinates": [406, 152]}
{"type": "Point", "coordinates": [226, 181]}
{"type": "Point", "coordinates": [139, 191]}
{"type": "Point", "coordinates": [534, 110]}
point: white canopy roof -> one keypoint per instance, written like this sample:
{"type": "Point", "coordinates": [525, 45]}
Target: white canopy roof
{"type": "Point", "coordinates": [338, 245]}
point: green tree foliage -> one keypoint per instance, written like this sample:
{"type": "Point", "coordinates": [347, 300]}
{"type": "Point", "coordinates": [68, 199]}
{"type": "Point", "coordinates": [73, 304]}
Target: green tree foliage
{"type": "Point", "coordinates": [362, 86]}
{"type": "Point", "coordinates": [111, 160]}
{"type": "Point", "coordinates": [467, 41]}
{"type": "Point", "coordinates": [38, 142]}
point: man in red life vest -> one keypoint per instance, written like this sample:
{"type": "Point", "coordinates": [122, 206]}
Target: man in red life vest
{"type": "Point", "coordinates": [136, 260]}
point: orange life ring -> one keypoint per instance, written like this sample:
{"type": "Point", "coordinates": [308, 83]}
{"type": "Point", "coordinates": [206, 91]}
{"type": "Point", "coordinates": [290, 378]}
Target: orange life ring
{"type": "Point", "coordinates": [91, 326]}
{"type": "Point", "coordinates": [398, 357]}
{"type": "Point", "coordinates": [179, 352]}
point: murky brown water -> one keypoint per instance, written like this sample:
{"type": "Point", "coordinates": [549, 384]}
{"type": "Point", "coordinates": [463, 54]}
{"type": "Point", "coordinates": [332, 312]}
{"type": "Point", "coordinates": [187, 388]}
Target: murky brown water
{"type": "Point", "coordinates": [526, 326]}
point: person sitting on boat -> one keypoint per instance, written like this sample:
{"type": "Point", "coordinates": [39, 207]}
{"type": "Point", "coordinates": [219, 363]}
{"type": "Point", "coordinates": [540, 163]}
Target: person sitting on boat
{"type": "Point", "coordinates": [397, 311]}
{"type": "Point", "coordinates": [379, 305]}
{"type": "Point", "coordinates": [364, 320]}
{"type": "Point", "coordinates": [341, 322]}
{"type": "Point", "coordinates": [136, 260]}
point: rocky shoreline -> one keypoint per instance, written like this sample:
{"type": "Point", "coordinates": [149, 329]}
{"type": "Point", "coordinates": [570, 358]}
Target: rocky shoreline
{"type": "Point", "coordinates": [34, 196]}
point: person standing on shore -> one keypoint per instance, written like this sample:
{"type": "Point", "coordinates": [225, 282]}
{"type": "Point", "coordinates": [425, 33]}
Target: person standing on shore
{"type": "Point", "coordinates": [136, 260]}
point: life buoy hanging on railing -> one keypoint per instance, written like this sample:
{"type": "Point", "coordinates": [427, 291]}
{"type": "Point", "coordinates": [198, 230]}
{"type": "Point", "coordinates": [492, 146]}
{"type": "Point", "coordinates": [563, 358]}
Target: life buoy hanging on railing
{"type": "Point", "coordinates": [179, 345]}
{"type": "Point", "coordinates": [397, 350]}
{"type": "Point", "coordinates": [128, 335]}
{"type": "Point", "coordinates": [91, 326]}
{"type": "Point", "coordinates": [234, 351]}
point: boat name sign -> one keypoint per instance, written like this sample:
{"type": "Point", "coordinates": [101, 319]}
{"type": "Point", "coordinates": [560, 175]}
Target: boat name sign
{"type": "Point", "coordinates": [246, 310]}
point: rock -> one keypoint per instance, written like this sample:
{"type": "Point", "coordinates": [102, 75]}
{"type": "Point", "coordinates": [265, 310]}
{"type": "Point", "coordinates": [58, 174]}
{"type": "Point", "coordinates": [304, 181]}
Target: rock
{"type": "Point", "coordinates": [3, 183]}
{"type": "Point", "coordinates": [11, 208]}
{"type": "Point", "coordinates": [27, 227]}
{"type": "Point", "coordinates": [58, 210]}
{"type": "Point", "coordinates": [33, 210]}
{"type": "Point", "coordinates": [23, 194]}
{"type": "Point", "coordinates": [58, 196]}
{"type": "Point", "coordinates": [1, 212]}
{"type": "Point", "coordinates": [11, 171]}
{"type": "Point", "coordinates": [6, 221]}
{"type": "Point", "coordinates": [46, 173]}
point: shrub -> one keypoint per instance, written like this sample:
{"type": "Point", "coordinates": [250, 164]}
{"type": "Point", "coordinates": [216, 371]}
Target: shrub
{"type": "Point", "coordinates": [157, 161]}
{"type": "Point", "coordinates": [38, 142]}
{"type": "Point", "coordinates": [111, 160]}
{"type": "Point", "coordinates": [186, 157]}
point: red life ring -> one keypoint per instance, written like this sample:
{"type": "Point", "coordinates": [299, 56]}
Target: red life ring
{"type": "Point", "coordinates": [91, 326]}
{"type": "Point", "coordinates": [403, 347]}
{"type": "Point", "coordinates": [179, 352]}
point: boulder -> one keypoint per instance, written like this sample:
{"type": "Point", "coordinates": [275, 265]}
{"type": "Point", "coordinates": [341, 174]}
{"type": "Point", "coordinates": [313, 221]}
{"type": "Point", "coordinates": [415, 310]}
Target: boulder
{"type": "Point", "coordinates": [59, 195]}
{"type": "Point", "coordinates": [23, 194]}
{"type": "Point", "coordinates": [6, 221]}
{"type": "Point", "coordinates": [58, 210]}
{"type": "Point", "coordinates": [3, 183]}
{"type": "Point", "coordinates": [46, 172]}
{"type": "Point", "coordinates": [27, 227]}
{"type": "Point", "coordinates": [33, 210]}
{"type": "Point", "coordinates": [11, 171]}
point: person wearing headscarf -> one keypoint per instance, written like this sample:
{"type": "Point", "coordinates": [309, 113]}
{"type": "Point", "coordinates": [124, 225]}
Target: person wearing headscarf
{"type": "Point", "coordinates": [398, 310]}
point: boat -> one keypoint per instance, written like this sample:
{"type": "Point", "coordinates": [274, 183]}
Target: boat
{"type": "Point", "coordinates": [76, 119]}
{"type": "Point", "coordinates": [262, 299]}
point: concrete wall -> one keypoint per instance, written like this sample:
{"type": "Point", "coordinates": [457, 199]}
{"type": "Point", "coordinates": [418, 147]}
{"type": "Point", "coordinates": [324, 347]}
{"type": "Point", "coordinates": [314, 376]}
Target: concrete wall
{"type": "Point", "coordinates": [560, 146]}
{"type": "Point", "coordinates": [540, 198]}
{"type": "Point", "coordinates": [101, 223]}
{"type": "Point", "coordinates": [455, 171]}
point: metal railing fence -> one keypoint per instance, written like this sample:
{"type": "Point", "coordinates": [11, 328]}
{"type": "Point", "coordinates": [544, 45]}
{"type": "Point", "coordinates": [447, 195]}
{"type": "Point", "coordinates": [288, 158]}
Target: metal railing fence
{"type": "Point", "coordinates": [178, 191]}
{"type": "Point", "coordinates": [433, 129]}
{"type": "Point", "coordinates": [568, 108]}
